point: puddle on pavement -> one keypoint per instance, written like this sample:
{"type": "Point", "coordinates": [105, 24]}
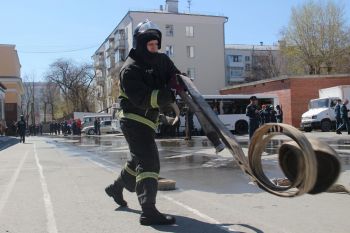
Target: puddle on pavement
{"type": "Point", "coordinates": [170, 153]}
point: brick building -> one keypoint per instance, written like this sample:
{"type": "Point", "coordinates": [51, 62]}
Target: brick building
{"type": "Point", "coordinates": [294, 92]}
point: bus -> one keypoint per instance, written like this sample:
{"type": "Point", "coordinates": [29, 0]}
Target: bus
{"type": "Point", "coordinates": [231, 110]}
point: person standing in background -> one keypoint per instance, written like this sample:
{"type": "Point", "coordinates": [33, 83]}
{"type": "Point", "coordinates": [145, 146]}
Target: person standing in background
{"type": "Point", "coordinates": [252, 112]}
{"type": "Point", "coordinates": [21, 129]}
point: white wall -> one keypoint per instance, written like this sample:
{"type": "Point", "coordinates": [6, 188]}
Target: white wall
{"type": "Point", "coordinates": [208, 40]}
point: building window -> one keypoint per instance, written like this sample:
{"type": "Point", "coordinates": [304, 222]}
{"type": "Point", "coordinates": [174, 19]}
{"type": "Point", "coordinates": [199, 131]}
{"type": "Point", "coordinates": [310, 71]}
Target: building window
{"type": "Point", "coordinates": [189, 31]}
{"type": "Point", "coordinates": [119, 55]}
{"type": "Point", "coordinates": [190, 51]}
{"type": "Point", "coordinates": [234, 58]}
{"type": "Point", "coordinates": [247, 58]}
{"type": "Point", "coordinates": [120, 34]}
{"type": "Point", "coordinates": [108, 62]}
{"type": "Point", "coordinates": [237, 58]}
{"type": "Point", "coordinates": [169, 30]}
{"type": "Point", "coordinates": [236, 71]}
{"type": "Point", "coordinates": [169, 50]}
{"type": "Point", "coordinates": [191, 73]}
{"type": "Point", "coordinates": [247, 67]}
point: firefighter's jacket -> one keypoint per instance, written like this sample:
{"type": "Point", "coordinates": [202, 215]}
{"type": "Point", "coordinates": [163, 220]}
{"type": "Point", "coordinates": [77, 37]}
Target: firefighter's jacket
{"type": "Point", "coordinates": [144, 88]}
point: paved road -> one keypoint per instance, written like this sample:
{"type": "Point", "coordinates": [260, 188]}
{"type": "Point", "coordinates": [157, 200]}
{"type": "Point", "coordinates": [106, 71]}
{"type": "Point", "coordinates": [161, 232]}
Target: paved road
{"type": "Point", "coordinates": [6, 142]}
{"type": "Point", "coordinates": [55, 184]}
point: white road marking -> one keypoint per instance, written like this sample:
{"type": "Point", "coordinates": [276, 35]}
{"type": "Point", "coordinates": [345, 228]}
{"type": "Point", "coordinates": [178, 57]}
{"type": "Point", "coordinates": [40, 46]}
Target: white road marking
{"type": "Point", "coordinates": [194, 211]}
{"type": "Point", "coordinates": [101, 165]}
{"type": "Point", "coordinates": [199, 214]}
{"type": "Point", "coordinates": [10, 186]}
{"type": "Point", "coordinates": [51, 222]}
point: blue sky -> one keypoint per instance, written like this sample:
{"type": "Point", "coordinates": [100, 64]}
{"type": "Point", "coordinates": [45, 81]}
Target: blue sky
{"type": "Point", "coordinates": [43, 30]}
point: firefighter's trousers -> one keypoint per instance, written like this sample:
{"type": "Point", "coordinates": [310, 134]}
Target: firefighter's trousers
{"type": "Point", "coordinates": [141, 172]}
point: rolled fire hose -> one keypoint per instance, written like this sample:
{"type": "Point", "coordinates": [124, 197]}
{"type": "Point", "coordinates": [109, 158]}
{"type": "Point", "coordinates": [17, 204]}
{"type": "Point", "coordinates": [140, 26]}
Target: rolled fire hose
{"type": "Point", "coordinates": [304, 162]}
{"type": "Point", "coordinates": [209, 131]}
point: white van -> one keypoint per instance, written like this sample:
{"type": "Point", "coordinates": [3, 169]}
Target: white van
{"type": "Point", "coordinates": [89, 120]}
{"type": "Point", "coordinates": [107, 126]}
{"type": "Point", "coordinates": [320, 114]}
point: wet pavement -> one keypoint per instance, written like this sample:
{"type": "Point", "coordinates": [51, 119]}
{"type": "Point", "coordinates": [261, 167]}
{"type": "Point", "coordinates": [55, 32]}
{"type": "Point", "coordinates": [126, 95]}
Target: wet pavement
{"type": "Point", "coordinates": [192, 163]}
{"type": "Point", "coordinates": [56, 184]}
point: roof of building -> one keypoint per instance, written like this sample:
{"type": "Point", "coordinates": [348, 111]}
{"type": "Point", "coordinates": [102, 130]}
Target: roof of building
{"type": "Point", "coordinates": [284, 77]}
{"type": "Point", "coordinates": [2, 86]}
{"type": "Point", "coordinates": [251, 47]}
{"type": "Point", "coordinates": [179, 13]}
{"type": "Point", "coordinates": [8, 45]}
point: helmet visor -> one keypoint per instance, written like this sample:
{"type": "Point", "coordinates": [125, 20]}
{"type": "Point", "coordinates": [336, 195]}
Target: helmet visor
{"type": "Point", "coordinates": [148, 25]}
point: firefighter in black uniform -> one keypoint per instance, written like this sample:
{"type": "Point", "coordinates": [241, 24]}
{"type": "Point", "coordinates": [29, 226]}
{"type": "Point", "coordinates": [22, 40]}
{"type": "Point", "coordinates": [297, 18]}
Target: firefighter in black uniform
{"type": "Point", "coordinates": [146, 79]}
{"type": "Point", "coordinates": [344, 117]}
{"type": "Point", "coordinates": [279, 114]}
{"type": "Point", "coordinates": [337, 115]}
{"type": "Point", "coordinates": [252, 112]}
{"type": "Point", "coordinates": [21, 129]}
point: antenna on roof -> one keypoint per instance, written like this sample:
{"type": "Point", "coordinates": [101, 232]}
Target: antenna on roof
{"type": "Point", "coordinates": [189, 5]}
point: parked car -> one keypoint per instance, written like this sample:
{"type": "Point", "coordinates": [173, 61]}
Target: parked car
{"type": "Point", "coordinates": [108, 126]}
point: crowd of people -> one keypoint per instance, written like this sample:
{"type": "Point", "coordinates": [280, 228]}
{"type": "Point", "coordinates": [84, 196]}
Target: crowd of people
{"type": "Point", "coordinates": [260, 116]}
{"type": "Point", "coordinates": [341, 116]}
{"type": "Point", "coordinates": [65, 127]}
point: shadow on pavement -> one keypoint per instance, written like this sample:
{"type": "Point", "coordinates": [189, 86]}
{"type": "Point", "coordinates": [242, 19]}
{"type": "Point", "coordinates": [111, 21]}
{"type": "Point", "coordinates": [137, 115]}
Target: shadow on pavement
{"type": "Point", "coordinates": [127, 209]}
{"type": "Point", "coordinates": [7, 142]}
{"type": "Point", "coordinates": [186, 224]}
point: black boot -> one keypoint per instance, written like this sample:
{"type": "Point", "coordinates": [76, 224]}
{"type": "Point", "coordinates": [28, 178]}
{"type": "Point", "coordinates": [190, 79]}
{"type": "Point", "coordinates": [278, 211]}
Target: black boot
{"type": "Point", "coordinates": [115, 191]}
{"type": "Point", "coordinates": [151, 216]}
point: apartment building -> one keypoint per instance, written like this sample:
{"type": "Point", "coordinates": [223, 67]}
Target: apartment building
{"type": "Point", "coordinates": [242, 60]}
{"type": "Point", "coordinates": [194, 42]}
{"type": "Point", "coordinates": [10, 77]}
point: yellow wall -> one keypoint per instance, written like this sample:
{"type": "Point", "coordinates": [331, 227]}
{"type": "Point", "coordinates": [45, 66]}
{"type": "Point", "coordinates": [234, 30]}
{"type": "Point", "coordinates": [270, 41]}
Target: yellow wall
{"type": "Point", "coordinates": [9, 65]}
{"type": "Point", "coordinates": [11, 97]}
{"type": "Point", "coordinates": [10, 74]}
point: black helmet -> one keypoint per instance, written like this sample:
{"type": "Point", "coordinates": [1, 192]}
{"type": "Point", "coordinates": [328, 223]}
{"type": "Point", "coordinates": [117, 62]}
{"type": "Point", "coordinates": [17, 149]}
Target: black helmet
{"type": "Point", "coordinates": [253, 98]}
{"type": "Point", "coordinates": [146, 31]}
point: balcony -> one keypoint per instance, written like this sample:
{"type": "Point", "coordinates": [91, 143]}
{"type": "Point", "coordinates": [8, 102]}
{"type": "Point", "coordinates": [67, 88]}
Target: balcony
{"type": "Point", "coordinates": [99, 63]}
{"type": "Point", "coordinates": [100, 80]}
{"type": "Point", "coordinates": [114, 71]}
{"type": "Point", "coordinates": [120, 44]}
{"type": "Point", "coordinates": [111, 44]}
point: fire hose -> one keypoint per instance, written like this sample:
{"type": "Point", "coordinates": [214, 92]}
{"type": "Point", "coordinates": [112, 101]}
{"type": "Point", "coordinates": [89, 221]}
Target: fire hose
{"type": "Point", "coordinates": [310, 165]}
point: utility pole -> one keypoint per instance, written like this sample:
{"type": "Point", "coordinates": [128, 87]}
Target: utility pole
{"type": "Point", "coordinates": [189, 5]}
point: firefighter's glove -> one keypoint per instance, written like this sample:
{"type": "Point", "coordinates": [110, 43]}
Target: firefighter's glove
{"type": "Point", "coordinates": [175, 84]}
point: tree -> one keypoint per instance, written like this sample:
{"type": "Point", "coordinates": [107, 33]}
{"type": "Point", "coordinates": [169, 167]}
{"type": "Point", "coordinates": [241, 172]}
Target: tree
{"type": "Point", "coordinates": [28, 97]}
{"type": "Point", "coordinates": [265, 64]}
{"type": "Point", "coordinates": [75, 84]}
{"type": "Point", "coordinates": [50, 98]}
{"type": "Point", "coordinates": [317, 37]}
